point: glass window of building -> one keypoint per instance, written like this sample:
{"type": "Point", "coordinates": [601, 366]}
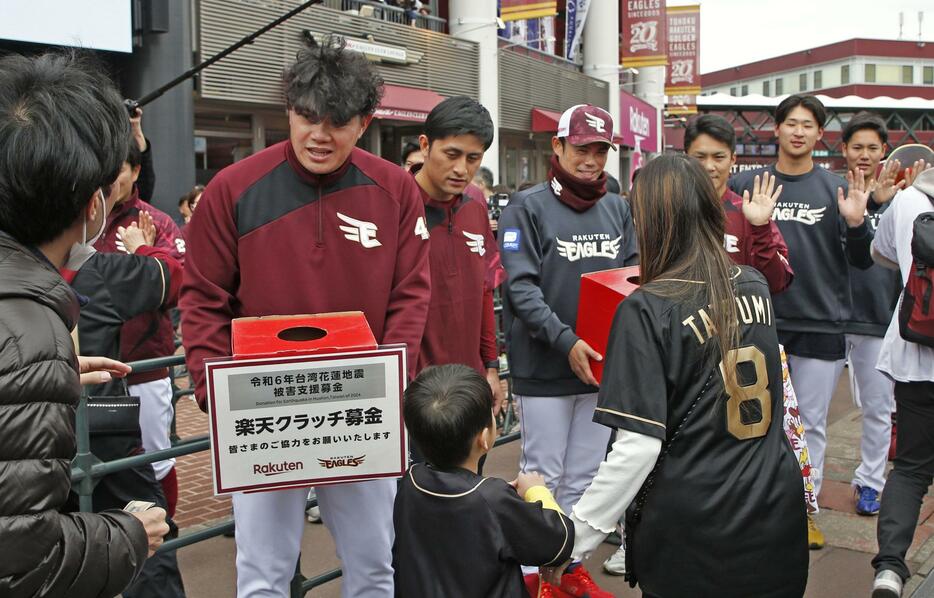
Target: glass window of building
{"type": "Point", "coordinates": [803, 82]}
{"type": "Point", "coordinates": [844, 74]}
{"type": "Point", "coordinates": [744, 90]}
{"type": "Point", "coordinates": [779, 86]}
{"type": "Point", "coordinates": [929, 75]}
{"type": "Point", "coordinates": [732, 91]}
{"type": "Point", "coordinates": [870, 73]}
{"type": "Point", "coordinates": [765, 87]}
{"type": "Point", "coordinates": [818, 79]}
{"type": "Point", "coordinates": [908, 74]}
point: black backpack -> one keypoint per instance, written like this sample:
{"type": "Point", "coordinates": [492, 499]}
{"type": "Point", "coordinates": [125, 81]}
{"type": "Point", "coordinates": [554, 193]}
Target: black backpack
{"type": "Point", "coordinates": [916, 314]}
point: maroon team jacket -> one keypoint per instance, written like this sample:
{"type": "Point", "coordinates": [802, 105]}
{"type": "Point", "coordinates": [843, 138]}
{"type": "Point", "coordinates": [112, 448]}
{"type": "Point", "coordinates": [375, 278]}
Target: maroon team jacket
{"type": "Point", "coordinates": [461, 324]}
{"type": "Point", "coordinates": [271, 238]}
{"type": "Point", "coordinates": [761, 247]}
{"type": "Point", "coordinates": [148, 335]}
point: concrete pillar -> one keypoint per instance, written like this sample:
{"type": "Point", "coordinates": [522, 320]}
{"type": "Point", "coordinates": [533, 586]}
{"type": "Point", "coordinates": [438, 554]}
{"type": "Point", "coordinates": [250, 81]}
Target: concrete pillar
{"type": "Point", "coordinates": [475, 20]}
{"type": "Point", "coordinates": [168, 122]}
{"type": "Point", "coordinates": [258, 128]}
{"type": "Point", "coordinates": [600, 52]}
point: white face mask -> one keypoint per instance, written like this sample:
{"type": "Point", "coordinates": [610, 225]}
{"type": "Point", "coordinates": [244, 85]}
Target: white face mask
{"type": "Point", "coordinates": [82, 252]}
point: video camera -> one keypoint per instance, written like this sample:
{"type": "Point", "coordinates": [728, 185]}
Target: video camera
{"type": "Point", "coordinates": [495, 204]}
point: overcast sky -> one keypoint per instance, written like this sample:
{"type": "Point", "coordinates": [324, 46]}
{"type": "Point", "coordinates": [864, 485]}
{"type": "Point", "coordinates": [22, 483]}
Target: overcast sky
{"type": "Point", "coordinates": [739, 31]}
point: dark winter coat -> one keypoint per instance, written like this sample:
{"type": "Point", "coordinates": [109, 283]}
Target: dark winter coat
{"type": "Point", "coordinates": [44, 552]}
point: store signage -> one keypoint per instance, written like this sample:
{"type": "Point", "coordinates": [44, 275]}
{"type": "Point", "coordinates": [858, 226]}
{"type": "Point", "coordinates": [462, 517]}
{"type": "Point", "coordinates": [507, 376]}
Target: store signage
{"type": "Point", "coordinates": [375, 51]}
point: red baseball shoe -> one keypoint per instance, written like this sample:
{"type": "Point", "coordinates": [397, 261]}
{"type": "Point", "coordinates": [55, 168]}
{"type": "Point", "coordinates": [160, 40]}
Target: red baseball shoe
{"type": "Point", "coordinates": [579, 584]}
{"type": "Point", "coordinates": [540, 589]}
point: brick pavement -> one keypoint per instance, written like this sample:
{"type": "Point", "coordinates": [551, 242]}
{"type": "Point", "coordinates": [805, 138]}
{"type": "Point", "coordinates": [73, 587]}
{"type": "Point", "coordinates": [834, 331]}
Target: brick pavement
{"type": "Point", "coordinates": [197, 504]}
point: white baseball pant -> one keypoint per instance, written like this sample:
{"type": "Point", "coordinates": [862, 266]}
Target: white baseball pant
{"type": "Point", "coordinates": [561, 441]}
{"type": "Point", "coordinates": [269, 537]}
{"type": "Point", "coordinates": [875, 395]}
{"type": "Point", "coordinates": [814, 381]}
{"type": "Point", "coordinates": [155, 419]}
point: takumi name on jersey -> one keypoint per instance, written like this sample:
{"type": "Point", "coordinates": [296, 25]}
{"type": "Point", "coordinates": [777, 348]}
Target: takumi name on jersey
{"type": "Point", "coordinates": [592, 245]}
{"type": "Point", "coordinates": [798, 212]}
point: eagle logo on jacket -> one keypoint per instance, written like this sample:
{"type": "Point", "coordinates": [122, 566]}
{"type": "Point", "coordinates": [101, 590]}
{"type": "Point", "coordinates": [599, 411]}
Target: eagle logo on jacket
{"type": "Point", "coordinates": [584, 246]}
{"type": "Point", "coordinates": [360, 231]}
{"type": "Point", "coordinates": [475, 243]}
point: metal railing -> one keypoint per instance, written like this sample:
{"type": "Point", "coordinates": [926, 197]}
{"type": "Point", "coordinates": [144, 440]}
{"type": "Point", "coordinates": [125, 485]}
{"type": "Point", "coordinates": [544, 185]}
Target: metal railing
{"type": "Point", "coordinates": [385, 12]}
{"type": "Point", "coordinates": [87, 469]}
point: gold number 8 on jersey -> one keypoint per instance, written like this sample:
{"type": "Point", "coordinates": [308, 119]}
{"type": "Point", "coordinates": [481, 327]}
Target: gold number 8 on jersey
{"type": "Point", "coordinates": [742, 396]}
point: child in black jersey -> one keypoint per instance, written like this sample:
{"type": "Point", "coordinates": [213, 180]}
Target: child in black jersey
{"type": "Point", "coordinates": [457, 532]}
{"type": "Point", "coordinates": [693, 390]}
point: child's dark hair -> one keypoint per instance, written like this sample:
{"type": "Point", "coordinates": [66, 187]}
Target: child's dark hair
{"type": "Point", "coordinates": [326, 81]}
{"type": "Point", "coordinates": [712, 125]}
{"type": "Point", "coordinates": [806, 101]}
{"type": "Point", "coordinates": [460, 115]}
{"type": "Point", "coordinates": [445, 407]}
{"type": "Point", "coordinates": [865, 121]}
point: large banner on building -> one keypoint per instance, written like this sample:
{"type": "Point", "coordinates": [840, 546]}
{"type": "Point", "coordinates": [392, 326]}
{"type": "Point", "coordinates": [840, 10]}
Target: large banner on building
{"type": "Point", "coordinates": [575, 17]}
{"type": "Point", "coordinates": [682, 84]}
{"type": "Point", "coordinates": [642, 33]}
{"type": "Point", "coordinates": [514, 10]}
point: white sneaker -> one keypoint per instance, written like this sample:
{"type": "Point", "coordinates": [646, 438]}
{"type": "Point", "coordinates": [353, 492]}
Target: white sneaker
{"type": "Point", "coordinates": [887, 585]}
{"type": "Point", "coordinates": [314, 515]}
{"type": "Point", "coordinates": [616, 564]}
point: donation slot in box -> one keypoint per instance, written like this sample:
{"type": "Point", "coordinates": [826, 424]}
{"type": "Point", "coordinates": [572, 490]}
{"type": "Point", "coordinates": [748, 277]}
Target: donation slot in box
{"type": "Point", "coordinates": [284, 335]}
{"type": "Point", "coordinates": [306, 400]}
{"type": "Point", "coordinates": [600, 295]}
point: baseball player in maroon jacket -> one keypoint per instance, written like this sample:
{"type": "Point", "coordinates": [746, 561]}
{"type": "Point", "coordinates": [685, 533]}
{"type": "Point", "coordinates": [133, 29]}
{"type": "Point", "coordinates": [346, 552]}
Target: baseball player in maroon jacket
{"type": "Point", "coordinates": [311, 225]}
{"type": "Point", "coordinates": [751, 238]}
{"type": "Point", "coordinates": [461, 324]}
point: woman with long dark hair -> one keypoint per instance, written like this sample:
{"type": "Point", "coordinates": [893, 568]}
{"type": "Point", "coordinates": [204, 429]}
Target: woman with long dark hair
{"type": "Point", "coordinates": [693, 389]}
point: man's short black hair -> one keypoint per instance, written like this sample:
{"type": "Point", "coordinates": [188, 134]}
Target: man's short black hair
{"type": "Point", "coordinates": [713, 125]}
{"type": "Point", "coordinates": [327, 81]}
{"type": "Point", "coordinates": [457, 116]}
{"type": "Point", "coordinates": [445, 408]}
{"type": "Point", "coordinates": [865, 121]}
{"type": "Point", "coordinates": [811, 103]}
{"type": "Point", "coordinates": [64, 133]}
{"type": "Point", "coordinates": [407, 149]}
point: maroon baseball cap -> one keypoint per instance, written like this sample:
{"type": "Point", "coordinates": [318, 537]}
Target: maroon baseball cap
{"type": "Point", "coordinates": [583, 124]}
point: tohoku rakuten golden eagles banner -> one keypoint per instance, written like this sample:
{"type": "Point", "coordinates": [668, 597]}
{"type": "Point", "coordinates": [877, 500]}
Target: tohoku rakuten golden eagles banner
{"type": "Point", "coordinates": [682, 84]}
{"type": "Point", "coordinates": [643, 40]}
{"type": "Point", "coordinates": [515, 10]}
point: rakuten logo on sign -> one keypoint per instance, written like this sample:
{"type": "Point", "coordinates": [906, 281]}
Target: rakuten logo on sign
{"type": "Point", "coordinates": [638, 122]}
{"type": "Point", "coordinates": [277, 468]}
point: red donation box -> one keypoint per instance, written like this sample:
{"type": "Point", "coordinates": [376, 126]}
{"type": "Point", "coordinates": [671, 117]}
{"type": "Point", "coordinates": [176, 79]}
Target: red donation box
{"type": "Point", "coordinates": [600, 295]}
{"type": "Point", "coordinates": [293, 335]}
{"type": "Point", "coordinates": [305, 400]}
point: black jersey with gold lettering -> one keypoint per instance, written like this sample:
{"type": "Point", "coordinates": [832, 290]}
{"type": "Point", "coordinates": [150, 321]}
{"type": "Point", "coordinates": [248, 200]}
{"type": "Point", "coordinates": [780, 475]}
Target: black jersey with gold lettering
{"type": "Point", "coordinates": [724, 515]}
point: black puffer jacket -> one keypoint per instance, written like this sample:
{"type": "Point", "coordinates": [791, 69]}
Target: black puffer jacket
{"type": "Point", "coordinates": [44, 552]}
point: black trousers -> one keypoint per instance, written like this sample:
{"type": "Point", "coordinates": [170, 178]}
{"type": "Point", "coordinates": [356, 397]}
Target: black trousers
{"type": "Point", "coordinates": [909, 480]}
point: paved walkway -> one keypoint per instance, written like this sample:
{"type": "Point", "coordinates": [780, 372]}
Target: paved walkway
{"type": "Point", "coordinates": [841, 570]}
